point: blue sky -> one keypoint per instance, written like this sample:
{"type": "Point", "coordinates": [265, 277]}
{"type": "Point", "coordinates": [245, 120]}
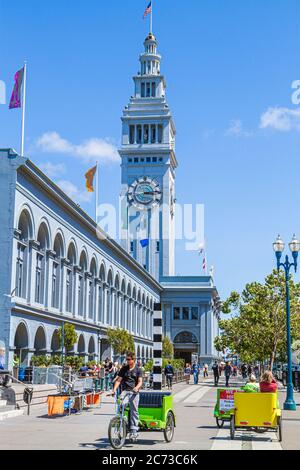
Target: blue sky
{"type": "Point", "coordinates": [229, 66]}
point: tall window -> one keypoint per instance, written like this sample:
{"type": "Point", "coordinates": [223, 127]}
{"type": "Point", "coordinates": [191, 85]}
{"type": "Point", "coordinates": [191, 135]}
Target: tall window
{"type": "Point", "coordinates": [153, 89]}
{"type": "Point", "coordinates": [55, 285]}
{"type": "Point", "coordinates": [100, 304]}
{"type": "Point", "coordinates": [176, 313]}
{"type": "Point", "coordinates": [139, 134]}
{"type": "Point", "coordinates": [185, 313]}
{"type": "Point", "coordinates": [148, 89]}
{"type": "Point", "coordinates": [39, 278]}
{"type": "Point", "coordinates": [146, 134]}
{"type": "Point", "coordinates": [160, 134]}
{"type": "Point", "coordinates": [153, 133]}
{"type": "Point", "coordinates": [131, 134]}
{"type": "Point", "coordinates": [69, 290]}
{"type": "Point", "coordinates": [91, 299]}
{"type": "Point", "coordinates": [20, 274]}
{"type": "Point", "coordinates": [143, 90]}
{"type": "Point", "coordinates": [80, 295]}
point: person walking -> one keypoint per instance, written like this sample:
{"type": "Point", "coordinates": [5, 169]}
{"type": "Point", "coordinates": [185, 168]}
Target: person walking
{"type": "Point", "coordinates": [169, 373]}
{"type": "Point", "coordinates": [244, 371]}
{"type": "Point", "coordinates": [250, 370]}
{"type": "Point", "coordinates": [228, 373]}
{"type": "Point", "coordinates": [195, 370]}
{"type": "Point", "coordinates": [216, 372]}
{"type": "Point", "coordinates": [130, 378]}
{"type": "Point", "coordinates": [205, 371]}
{"type": "Point", "coordinates": [187, 373]}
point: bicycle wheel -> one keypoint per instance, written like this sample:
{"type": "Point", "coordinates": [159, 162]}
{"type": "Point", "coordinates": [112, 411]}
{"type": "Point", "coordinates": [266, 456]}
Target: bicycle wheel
{"type": "Point", "coordinates": [117, 433]}
{"type": "Point", "coordinates": [232, 428]}
{"type": "Point", "coordinates": [170, 427]}
{"type": "Point", "coordinates": [279, 430]}
{"type": "Point", "coordinates": [220, 423]}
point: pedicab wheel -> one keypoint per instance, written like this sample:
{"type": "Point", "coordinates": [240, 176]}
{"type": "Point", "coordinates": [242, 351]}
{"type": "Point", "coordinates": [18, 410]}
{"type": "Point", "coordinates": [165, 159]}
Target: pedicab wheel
{"type": "Point", "coordinates": [279, 429]}
{"type": "Point", "coordinates": [170, 427]}
{"type": "Point", "coordinates": [232, 428]}
{"type": "Point", "coordinates": [117, 433]}
{"type": "Point", "coordinates": [220, 423]}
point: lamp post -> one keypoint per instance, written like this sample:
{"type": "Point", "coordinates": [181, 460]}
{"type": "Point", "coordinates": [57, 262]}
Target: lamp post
{"type": "Point", "coordinates": [279, 246]}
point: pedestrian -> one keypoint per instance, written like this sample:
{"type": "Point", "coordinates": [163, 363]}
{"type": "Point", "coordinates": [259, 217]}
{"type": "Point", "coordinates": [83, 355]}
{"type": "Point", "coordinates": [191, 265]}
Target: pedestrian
{"type": "Point", "coordinates": [216, 372]}
{"type": "Point", "coordinates": [130, 378]}
{"type": "Point", "coordinates": [228, 373]}
{"type": "Point", "coordinates": [109, 367]}
{"type": "Point", "coordinates": [268, 384]}
{"type": "Point", "coordinates": [187, 373]}
{"type": "Point", "coordinates": [250, 370]}
{"type": "Point", "coordinates": [169, 374]}
{"type": "Point", "coordinates": [251, 386]}
{"type": "Point", "coordinates": [256, 371]}
{"type": "Point", "coordinates": [244, 371]}
{"type": "Point", "coordinates": [195, 370]}
{"type": "Point", "coordinates": [84, 371]}
{"type": "Point", "coordinates": [205, 370]}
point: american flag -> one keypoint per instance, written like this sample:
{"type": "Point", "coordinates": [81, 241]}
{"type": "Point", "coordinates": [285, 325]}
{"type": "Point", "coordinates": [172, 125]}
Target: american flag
{"type": "Point", "coordinates": [204, 263]}
{"type": "Point", "coordinates": [148, 10]}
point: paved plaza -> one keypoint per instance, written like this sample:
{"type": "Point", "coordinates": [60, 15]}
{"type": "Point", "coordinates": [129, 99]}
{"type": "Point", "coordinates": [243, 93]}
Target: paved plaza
{"type": "Point", "coordinates": [196, 427]}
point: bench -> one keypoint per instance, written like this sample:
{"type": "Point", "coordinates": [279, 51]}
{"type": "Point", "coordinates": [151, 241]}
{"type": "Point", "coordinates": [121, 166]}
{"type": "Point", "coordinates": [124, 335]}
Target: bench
{"type": "Point", "coordinates": [152, 399]}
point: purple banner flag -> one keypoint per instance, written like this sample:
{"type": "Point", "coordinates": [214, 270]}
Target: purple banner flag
{"type": "Point", "coordinates": [15, 101]}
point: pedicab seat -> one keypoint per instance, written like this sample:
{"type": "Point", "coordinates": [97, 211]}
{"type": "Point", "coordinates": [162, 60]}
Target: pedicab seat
{"type": "Point", "coordinates": [152, 399]}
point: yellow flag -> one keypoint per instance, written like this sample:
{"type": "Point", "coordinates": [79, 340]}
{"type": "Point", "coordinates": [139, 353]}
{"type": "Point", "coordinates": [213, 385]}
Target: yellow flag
{"type": "Point", "coordinates": [90, 175]}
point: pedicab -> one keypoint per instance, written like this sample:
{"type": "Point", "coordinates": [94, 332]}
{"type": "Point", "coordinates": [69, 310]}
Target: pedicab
{"type": "Point", "coordinates": [224, 405]}
{"type": "Point", "coordinates": [257, 412]}
{"type": "Point", "coordinates": [156, 413]}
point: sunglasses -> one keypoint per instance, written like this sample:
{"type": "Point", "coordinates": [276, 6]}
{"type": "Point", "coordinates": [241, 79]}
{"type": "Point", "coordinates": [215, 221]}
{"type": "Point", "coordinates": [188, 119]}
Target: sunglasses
{"type": "Point", "coordinates": [129, 359]}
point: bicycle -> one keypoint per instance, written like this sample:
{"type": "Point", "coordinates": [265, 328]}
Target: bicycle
{"type": "Point", "coordinates": [119, 425]}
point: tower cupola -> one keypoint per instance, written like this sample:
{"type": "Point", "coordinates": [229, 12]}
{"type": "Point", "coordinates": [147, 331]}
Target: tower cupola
{"type": "Point", "coordinates": [150, 59]}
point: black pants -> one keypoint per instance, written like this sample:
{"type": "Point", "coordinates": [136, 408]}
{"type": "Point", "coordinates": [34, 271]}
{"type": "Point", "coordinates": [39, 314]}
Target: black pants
{"type": "Point", "coordinates": [227, 380]}
{"type": "Point", "coordinates": [217, 377]}
{"type": "Point", "coordinates": [169, 380]}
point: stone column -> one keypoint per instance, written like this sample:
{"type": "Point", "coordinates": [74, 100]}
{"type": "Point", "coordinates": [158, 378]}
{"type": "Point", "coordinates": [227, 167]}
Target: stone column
{"type": "Point", "coordinates": [65, 264]}
{"type": "Point", "coordinates": [49, 259]}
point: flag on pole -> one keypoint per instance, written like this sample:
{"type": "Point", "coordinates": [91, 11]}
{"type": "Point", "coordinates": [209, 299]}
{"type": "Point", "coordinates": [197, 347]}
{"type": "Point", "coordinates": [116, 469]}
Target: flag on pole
{"type": "Point", "coordinates": [148, 10]}
{"type": "Point", "coordinates": [90, 175]}
{"type": "Point", "coordinates": [204, 263]}
{"type": "Point", "coordinates": [15, 101]}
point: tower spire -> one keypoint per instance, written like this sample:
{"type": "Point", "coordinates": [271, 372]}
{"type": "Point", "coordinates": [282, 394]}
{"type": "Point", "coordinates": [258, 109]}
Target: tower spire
{"type": "Point", "coordinates": [151, 17]}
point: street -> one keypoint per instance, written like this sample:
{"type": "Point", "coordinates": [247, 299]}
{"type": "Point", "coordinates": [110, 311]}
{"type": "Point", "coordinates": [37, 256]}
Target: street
{"type": "Point", "coordinates": [196, 427]}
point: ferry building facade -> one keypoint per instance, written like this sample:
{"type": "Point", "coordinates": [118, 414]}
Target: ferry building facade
{"type": "Point", "coordinates": [55, 269]}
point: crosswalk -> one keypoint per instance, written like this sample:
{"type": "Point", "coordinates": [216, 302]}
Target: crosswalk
{"type": "Point", "coordinates": [245, 441]}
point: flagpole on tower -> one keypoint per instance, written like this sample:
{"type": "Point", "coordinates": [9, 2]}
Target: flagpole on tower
{"type": "Point", "coordinates": [23, 110]}
{"type": "Point", "coordinates": [151, 17]}
{"type": "Point", "coordinates": [97, 191]}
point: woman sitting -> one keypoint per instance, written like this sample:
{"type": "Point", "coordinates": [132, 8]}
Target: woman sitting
{"type": "Point", "coordinates": [268, 384]}
{"type": "Point", "coordinates": [251, 386]}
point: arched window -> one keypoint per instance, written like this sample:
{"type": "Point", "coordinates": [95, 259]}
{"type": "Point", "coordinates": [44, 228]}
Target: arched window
{"type": "Point", "coordinates": [25, 229]}
{"type": "Point", "coordinates": [108, 299]}
{"type": "Point", "coordinates": [92, 289]}
{"type": "Point", "coordinates": [41, 262]}
{"type": "Point", "coordinates": [21, 344]}
{"type": "Point", "coordinates": [70, 278]}
{"type": "Point", "coordinates": [185, 337]}
{"type": "Point", "coordinates": [40, 342]}
{"type": "Point", "coordinates": [82, 284]}
{"type": "Point", "coordinates": [56, 271]}
{"type": "Point", "coordinates": [101, 292]}
{"type": "Point", "coordinates": [117, 302]}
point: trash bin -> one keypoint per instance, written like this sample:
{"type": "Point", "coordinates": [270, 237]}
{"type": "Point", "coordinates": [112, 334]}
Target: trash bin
{"type": "Point", "coordinates": [21, 375]}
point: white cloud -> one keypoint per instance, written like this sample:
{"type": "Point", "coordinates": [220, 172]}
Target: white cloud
{"type": "Point", "coordinates": [281, 119]}
{"type": "Point", "coordinates": [236, 129]}
{"type": "Point", "coordinates": [53, 170]}
{"type": "Point", "coordinates": [89, 151]}
{"type": "Point", "coordinates": [73, 191]}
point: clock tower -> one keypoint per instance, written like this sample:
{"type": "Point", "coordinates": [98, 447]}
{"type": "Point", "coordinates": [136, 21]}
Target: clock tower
{"type": "Point", "coordinates": [148, 169]}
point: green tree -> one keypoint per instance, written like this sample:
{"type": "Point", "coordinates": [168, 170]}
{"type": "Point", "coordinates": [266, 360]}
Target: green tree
{"type": "Point", "coordinates": [168, 348]}
{"type": "Point", "coordinates": [257, 328]}
{"type": "Point", "coordinates": [120, 340]}
{"type": "Point", "coordinates": [70, 336]}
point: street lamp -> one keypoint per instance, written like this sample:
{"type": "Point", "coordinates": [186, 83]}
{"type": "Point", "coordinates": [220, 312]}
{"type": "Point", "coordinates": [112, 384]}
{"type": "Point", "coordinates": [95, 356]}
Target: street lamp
{"type": "Point", "coordinates": [279, 246]}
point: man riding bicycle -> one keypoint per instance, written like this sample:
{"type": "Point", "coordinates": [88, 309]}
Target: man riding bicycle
{"type": "Point", "coordinates": [130, 378]}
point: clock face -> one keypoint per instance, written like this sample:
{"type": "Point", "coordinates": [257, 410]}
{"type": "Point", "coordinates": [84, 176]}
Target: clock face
{"type": "Point", "coordinates": [144, 192]}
